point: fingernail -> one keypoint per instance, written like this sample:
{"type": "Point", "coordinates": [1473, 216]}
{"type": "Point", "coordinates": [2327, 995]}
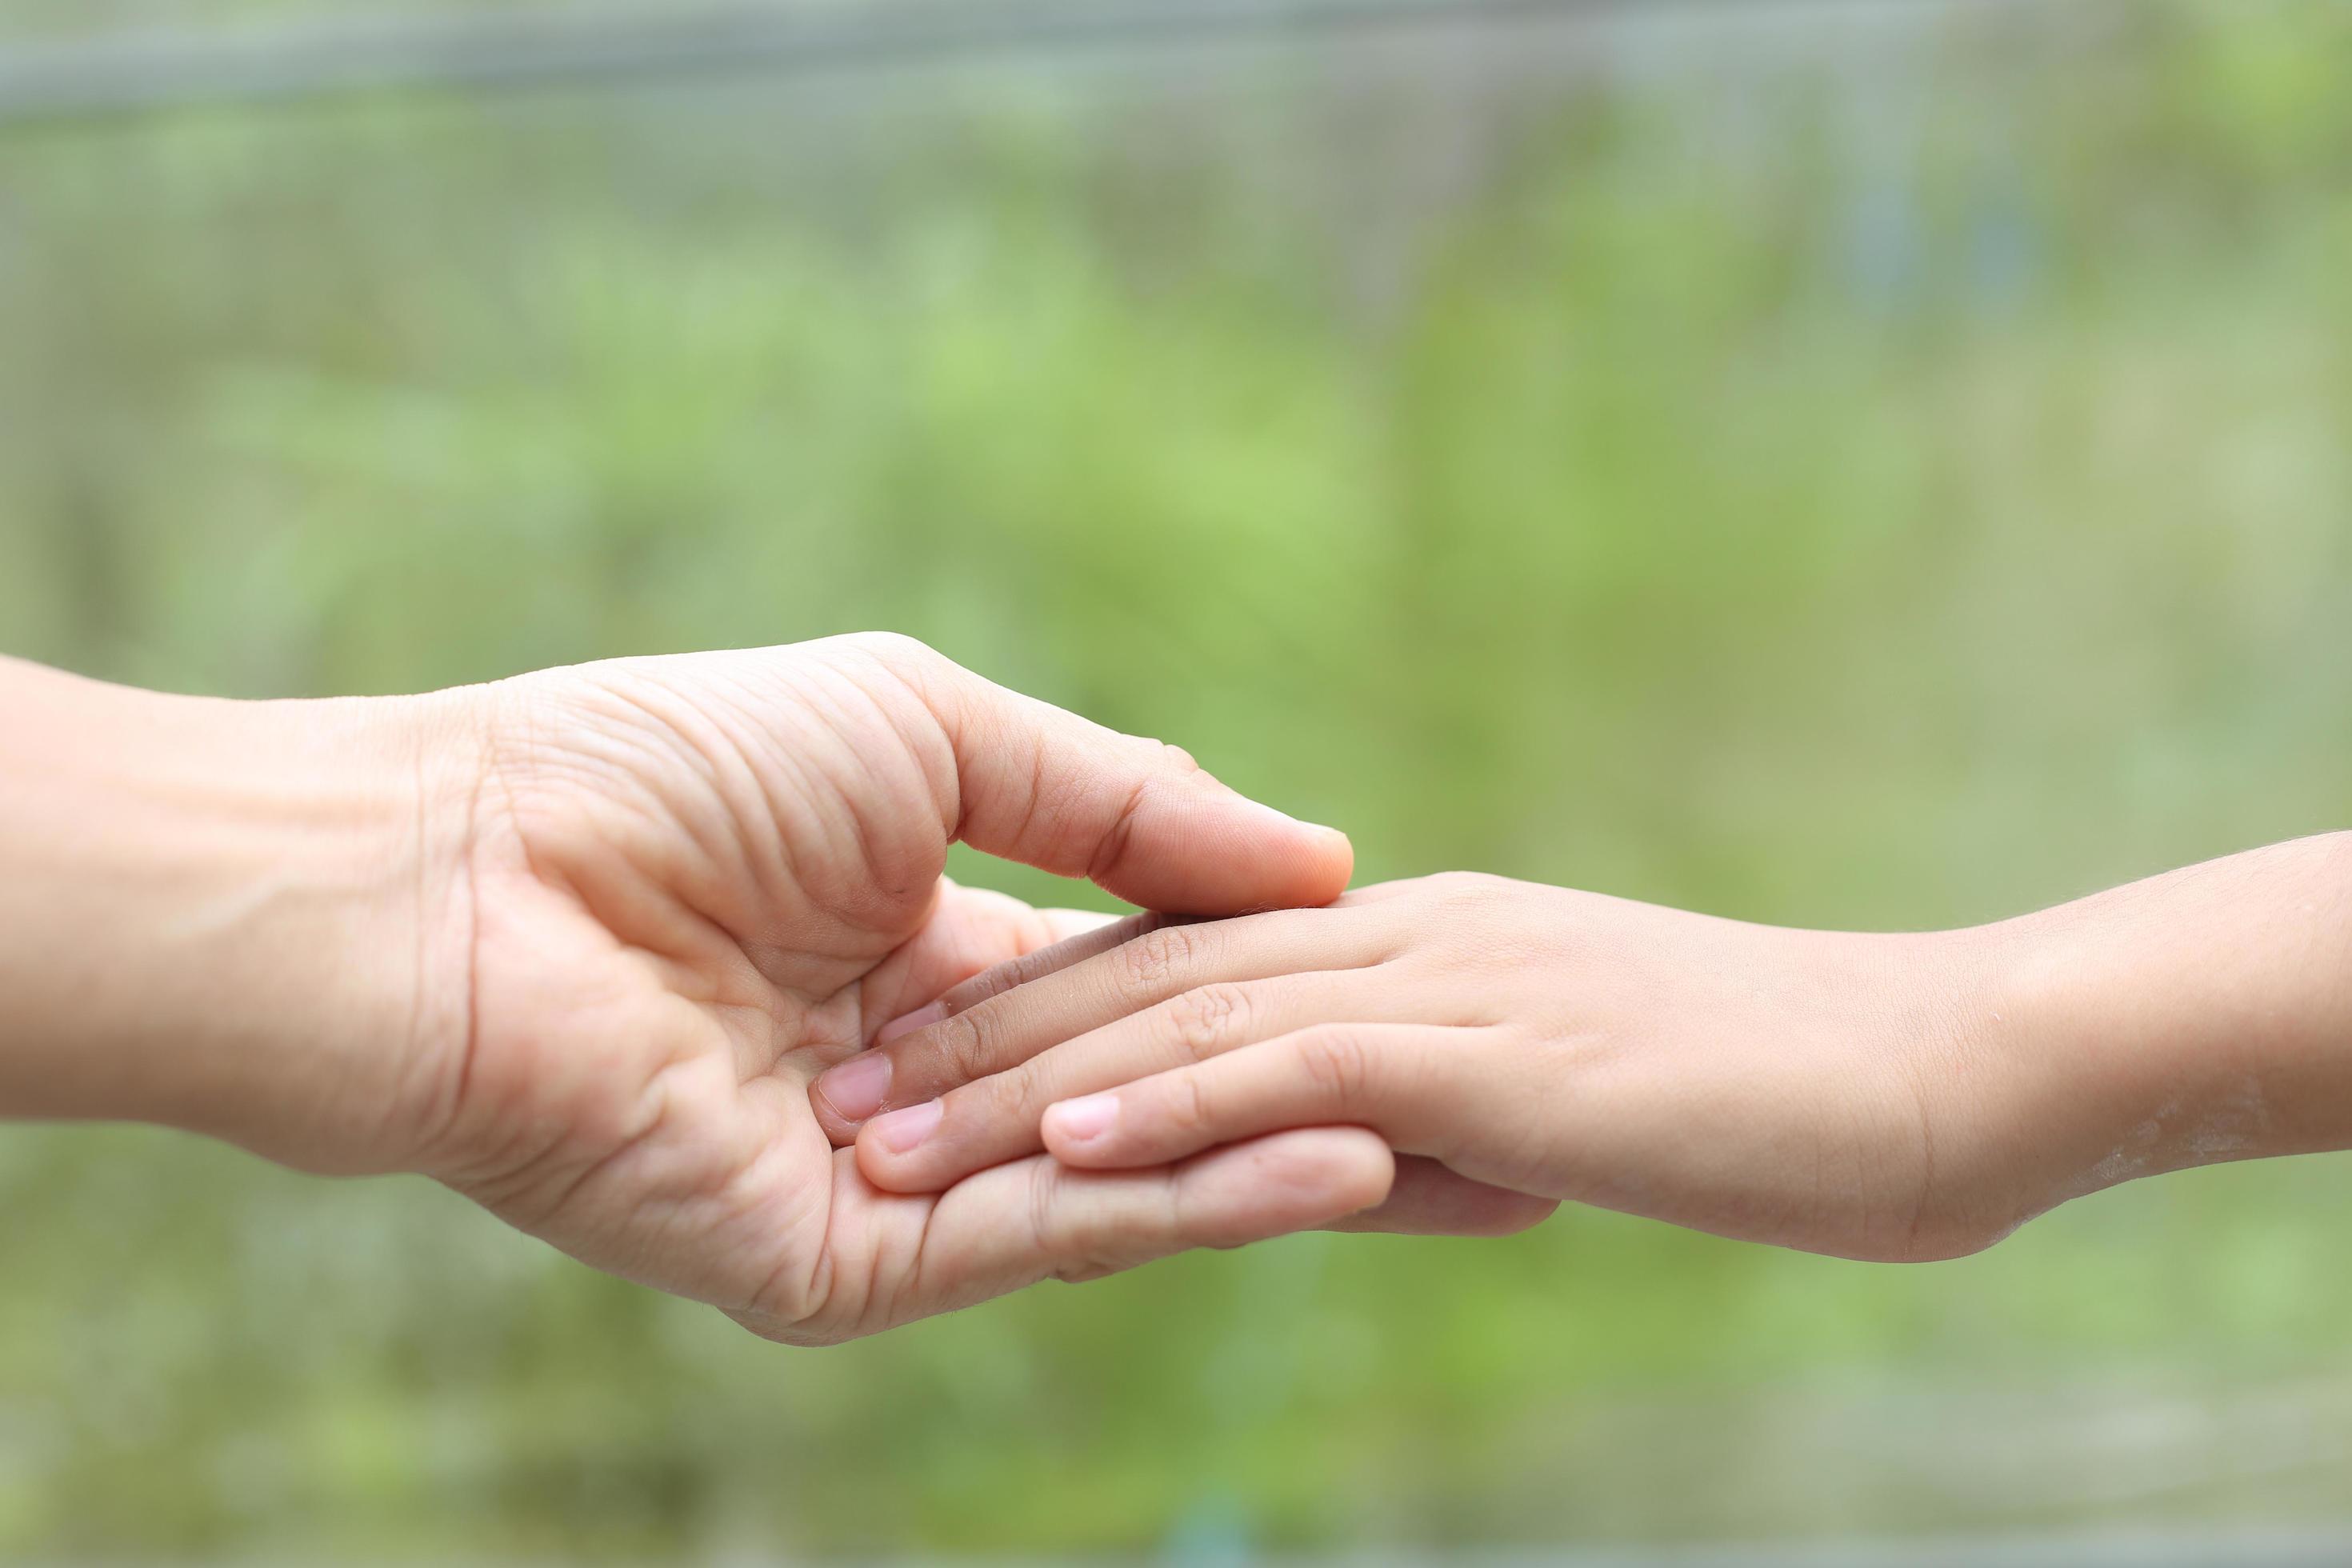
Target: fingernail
{"type": "Point", "coordinates": [1084, 1119]}
{"type": "Point", "coordinates": [902, 1130]}
{"type": "Point", "coordinates": [909, 1023]}
{"type": "Point", "coordinates": [856, 1088]}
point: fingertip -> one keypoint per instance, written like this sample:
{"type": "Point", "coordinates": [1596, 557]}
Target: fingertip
{"type": "Point", "coordinates": [1086, 1134]}
{"type": "Point", "coordinates": [1204, 849]}
{"type": "Point", "coordinates": [1362, 1166]}
{"type": "Point", "coordinates": [1335, 857]}
{"type": "Point", "coordinates": [848, 1093]}
{"type": "Point", "coordinates": [1316, 861]}
{"type": "Point", "coordinates": [888, 1149]}
{"type": "Point", "coordinates": [1072, 1127]}
{"type": "Point", "coordinates": [873, 1163]}
{"type": "Point", "coordinates": [1510, 1215]}
{"type": "Point", "coordinates": [887, 1170]}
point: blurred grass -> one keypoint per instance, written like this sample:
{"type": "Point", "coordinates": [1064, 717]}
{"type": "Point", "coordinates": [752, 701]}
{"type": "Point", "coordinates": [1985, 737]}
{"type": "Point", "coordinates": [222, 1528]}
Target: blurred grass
{"type": "Point", "coordinates": [1830, 485]}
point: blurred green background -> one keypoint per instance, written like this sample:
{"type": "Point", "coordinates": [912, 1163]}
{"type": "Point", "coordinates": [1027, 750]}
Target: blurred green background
{"type": "Point", "coordinates": [1853, 465]}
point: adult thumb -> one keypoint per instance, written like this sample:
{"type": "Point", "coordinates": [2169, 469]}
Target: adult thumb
{"type": "Point", "coordinates": [1142, 819]}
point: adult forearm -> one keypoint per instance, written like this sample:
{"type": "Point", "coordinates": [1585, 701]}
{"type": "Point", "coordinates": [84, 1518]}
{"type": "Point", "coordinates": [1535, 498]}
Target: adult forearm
{"type": "Point", "coordinates": [227, 915]}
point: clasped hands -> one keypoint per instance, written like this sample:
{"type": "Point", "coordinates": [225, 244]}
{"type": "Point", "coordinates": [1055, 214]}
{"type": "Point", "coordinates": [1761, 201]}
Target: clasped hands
{"type": "Point", "coordinates": [711, 940]}
{"type": "Point", "coordinates": [656, 959]}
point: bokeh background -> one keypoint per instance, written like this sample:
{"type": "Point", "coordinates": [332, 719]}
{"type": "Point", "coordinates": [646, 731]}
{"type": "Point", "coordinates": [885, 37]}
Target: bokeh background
{"type": "Point", "coordinates": [1876, 464]}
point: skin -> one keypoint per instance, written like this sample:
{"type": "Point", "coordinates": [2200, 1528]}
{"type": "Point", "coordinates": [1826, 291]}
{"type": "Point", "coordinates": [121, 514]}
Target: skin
{"type": "Point", "coordinates": [1894, 1098]}
{"type": "Point", "coordinates": [578, 943]}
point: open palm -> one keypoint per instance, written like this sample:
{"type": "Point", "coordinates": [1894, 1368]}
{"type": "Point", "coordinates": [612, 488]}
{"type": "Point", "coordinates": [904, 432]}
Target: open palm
{"type": "Point", "coordinates": [695, 882]}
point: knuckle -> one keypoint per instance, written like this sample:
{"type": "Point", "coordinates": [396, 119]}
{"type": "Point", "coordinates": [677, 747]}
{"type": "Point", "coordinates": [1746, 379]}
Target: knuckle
{"type": "Point", "coordinates": [1180, 1224]}
{"type": "Point", "coordinates": [896, 650]}
{"type": "Point", "coordinates": [1461, 887]}
{"type": "Point", "coordinates": [1014, 1097]}
{"type": "Point", "coordinates": [968, 1043]}
{"type": "Point", "coordinates": [1337, 1062]}
{"type": "Point", "coordinates": [1148, 964]}
{"type": "Point", "coordinates": [1111, 852]}
{"type": "Point", "coordinates": [914, 666]}
{"type": "Point", "coordinates": [1177, 760]}
{"type": "Point", "coordinates": [1208, 1020]}
{"type": "Point", "coordinates": [1049, 1228]}
{"type": "Point", "coordinates": [995, 981]}
{"type": "Point", "coordinates": [992, 981]}
{"type": "Point", "coordinates": [1191, 1108]}
{"type": "Point", "coordinates": [1059, 1231]}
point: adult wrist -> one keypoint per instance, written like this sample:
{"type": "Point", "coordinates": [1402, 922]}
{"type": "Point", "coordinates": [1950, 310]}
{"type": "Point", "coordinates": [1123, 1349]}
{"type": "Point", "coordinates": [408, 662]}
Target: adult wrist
{"type": "Point", "coordinates": [243, 918]}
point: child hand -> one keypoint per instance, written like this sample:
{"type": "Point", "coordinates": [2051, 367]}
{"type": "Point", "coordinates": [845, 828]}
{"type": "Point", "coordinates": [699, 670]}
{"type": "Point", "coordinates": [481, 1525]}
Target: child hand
{"type": "Point", "coordinates": [1825, 1091]}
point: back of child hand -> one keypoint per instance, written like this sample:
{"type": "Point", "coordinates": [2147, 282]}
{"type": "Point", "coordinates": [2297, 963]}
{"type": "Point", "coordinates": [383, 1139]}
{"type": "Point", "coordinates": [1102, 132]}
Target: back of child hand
{"type": "Point", "coordinates": [1839, 1092]}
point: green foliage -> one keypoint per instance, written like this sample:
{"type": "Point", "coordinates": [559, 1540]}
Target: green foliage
{"type": "Point", "coordinates": [1657, 483]}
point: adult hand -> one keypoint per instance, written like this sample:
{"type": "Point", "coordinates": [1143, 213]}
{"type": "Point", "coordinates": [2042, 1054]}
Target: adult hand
{"type": "Point", "coordinates": [577, 944]}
